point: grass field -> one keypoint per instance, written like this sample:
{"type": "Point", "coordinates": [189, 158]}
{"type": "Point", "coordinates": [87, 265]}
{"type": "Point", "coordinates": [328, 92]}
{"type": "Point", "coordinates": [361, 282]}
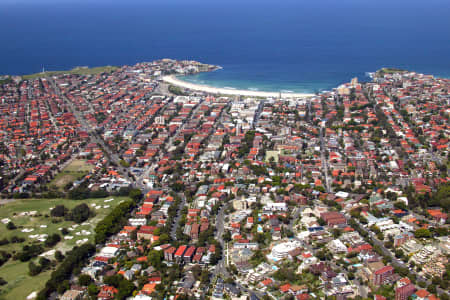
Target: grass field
{"type": "Point", "coordinates": [76, 170]}
{"type": "Point", "coordinates": [20, 284]}
{"type": "Point", "coordinates": [78, 70]}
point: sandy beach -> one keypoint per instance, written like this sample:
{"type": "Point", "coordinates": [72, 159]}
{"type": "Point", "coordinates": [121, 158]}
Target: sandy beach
{"type": "Point", "coordinates": [213, 90]}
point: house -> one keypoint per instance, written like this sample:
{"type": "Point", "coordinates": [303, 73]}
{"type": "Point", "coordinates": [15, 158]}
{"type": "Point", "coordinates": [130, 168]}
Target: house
{"type": "Point", "coordinates": [437, 215]}
{"type": "Point", "coordinates": [72, 295]}
{"type": "Point", "coordinates": [148, 288]}
{"type": "Point", "coordinates": [402, 238]}
{"type": "Point", "coordinates": [276, 206]}
{"type": "Point", "coordinates": [404, 292]}
{"type": "Point", "coordinates": [248, 245]}
{"type": "Point", "coordinates": [145, 232]}
{"type": "Point", "coordinates": [381, 275]}
{"type": "Point", "coordinates": [187, 257]}
{"type": "Point", "coordinates": [128, 275]}
{"type": "Point", "coordinates": [266, 282]}
{"type": "Point", "coordinates": [422, 294]}
{"type": "Point", "coordinates": [194, 231]}
{"type": "Point", "coordinates": [109, 251]}
{"type": "Point", "coordinates": [298, 289]}
{"type": "Point", "coordinates": [333, 218]}
{"type": "Point", "coordinates": [285, 288]}
{"type": "Point", "coordinates": [169, 253]}
{"type": "Point", "coordinates": [107, 293]}
{"type": "Point", "coordinates": [136, 268]}
{"type": "Point", "coordinates": [155, 279]}
{"type": "Point", "coordinates": [141, 297]}
{"type": "Point", "coordinates": [179, 253]}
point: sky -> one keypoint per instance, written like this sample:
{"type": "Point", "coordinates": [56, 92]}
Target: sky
{"type": "Point", "coordinates": [445, 3]}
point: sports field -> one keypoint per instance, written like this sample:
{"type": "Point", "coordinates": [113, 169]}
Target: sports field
{"type": "Point", "coordinates": [76, 170]}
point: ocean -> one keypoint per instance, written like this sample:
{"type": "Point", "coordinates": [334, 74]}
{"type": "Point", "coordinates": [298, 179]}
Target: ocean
{"type": "Point", "coordinates": [283, 45]}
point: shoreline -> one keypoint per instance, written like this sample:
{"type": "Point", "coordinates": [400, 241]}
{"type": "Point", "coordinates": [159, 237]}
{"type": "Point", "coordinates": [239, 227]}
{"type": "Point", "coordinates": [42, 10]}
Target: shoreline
{"type": "Point", "coordinates": [172, 79]}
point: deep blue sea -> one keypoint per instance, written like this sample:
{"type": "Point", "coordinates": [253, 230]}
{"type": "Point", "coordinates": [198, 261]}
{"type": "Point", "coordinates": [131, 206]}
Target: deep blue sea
{"type": "Point", "coordinates": [295, 45]}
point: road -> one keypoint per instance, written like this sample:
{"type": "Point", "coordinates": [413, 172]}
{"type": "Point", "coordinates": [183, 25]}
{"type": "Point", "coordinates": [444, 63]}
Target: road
{"type": "Point", "coordinates": [294, 216]}
{"type": "Point", "coordinates": [176, 221]}
{"type": "Point", "coordinates": [221, 268]}
{"type": "Point", "coordinates": [324, 161]}
{"type": "Point", "coordinates": [363, 290]}
{"type": "Point", "coordinates": [220, 224]}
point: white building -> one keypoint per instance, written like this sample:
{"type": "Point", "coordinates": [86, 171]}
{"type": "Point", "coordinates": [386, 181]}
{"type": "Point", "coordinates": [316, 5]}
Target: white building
{"type": "Point", "coordinates": [109, 252]}
{"type": "Point", "coordinates": [336, 246]}
{"type": "Point", "coordinates": [137, 221]}
{"type": "Point", "coordinates": [276, 206]}
{"type": "Point", "coordinates": [282, 250]}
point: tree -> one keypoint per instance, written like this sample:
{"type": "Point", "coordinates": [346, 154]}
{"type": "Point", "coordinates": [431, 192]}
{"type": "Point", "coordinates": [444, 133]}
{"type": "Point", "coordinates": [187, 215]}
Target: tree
{"type": "Point", "coordinates": [380, 236]}
{"type": "Point", "coordinates": [422, 233]}
{"type": "Point", "coordinates": [10, 226]}
{"type": "Point", "coordinates": [84, 280]}
{"type": "Point", "coordinates": [114, 222]}
{"type": "Point", "coordinates": [113, 280]}
{"type": "Point", "coordinates": [284, 274]}
{"type": "Point", "coordinates": [80, 213]}
{"type": "Point", "coordinates": [44, 262]}
{"type": "Point", "coordinates": [78, 193]}
{"type": "Point", "coordinates": [336, 233]}
{"type": "Point", "coordinates": [3, 281]}
{"type": "Point", "coordinates": [432, 288]}
{"type": "Point", "coordinates": [351, 275]}
{"type": "Point", "coordinates": [177, 90]}
{"type": "Point", "coordinates": [58, 211]}
{"type": "Point", "coordinates": [28, 252]}
{"type": "Point", "coordinates": [177, 186]}
{"type": "Point", "coordinates": [400, 205]}
{"type": "Point", "coordinates": [257, 258]}
{"type": "Point", "coordinates": [135, 194]}
{"type": "Point", "coordinates": [33, 269]}
{"type": "Point", "coordinates": [164, 238]}
{"type": "Point", "coordinates": [155, 258]}
{"type": "Point", "coordinates": [52, 240]}
{"type": "Point", "coordinates": [59, 256]}
{"type": "Point", "coordinates": [441, 231]}
{"type": "Point", "coordinates": [226, 236]}
{"type": "Point", "coordinates": [73, 261]}
{"type": "Point", "coordinates": [125, 288]}
{"type": "Point", "coordinates": [442, 197]}
{"type": "Point", "coordinates": [321, 222]}
{"type": "Point", "coordinates": [98, 194]}
{"type": "Point", "coordinates": [321, 255]}
{"type": "Point", "coordinates": [399, 253]}
{"type": "Point", "coordinates": [204, 277]}
{"type": "Point", "coordinates": [63, 286]}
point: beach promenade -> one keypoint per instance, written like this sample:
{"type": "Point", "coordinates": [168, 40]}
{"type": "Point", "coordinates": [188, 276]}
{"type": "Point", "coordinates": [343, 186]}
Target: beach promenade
{"type": "Point", "coordinates": [171, 79]}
